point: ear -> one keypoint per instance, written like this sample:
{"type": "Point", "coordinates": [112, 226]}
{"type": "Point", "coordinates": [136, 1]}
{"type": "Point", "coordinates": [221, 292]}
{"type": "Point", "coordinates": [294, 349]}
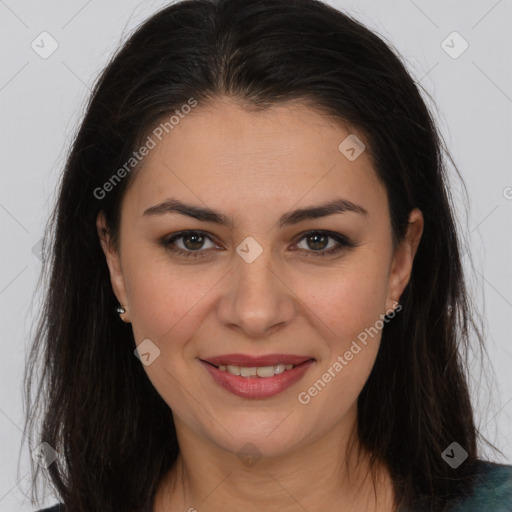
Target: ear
{"type": "Point", "coordinates": [114, 264]}
{"type": "Point", "coordinates": [401, 266]}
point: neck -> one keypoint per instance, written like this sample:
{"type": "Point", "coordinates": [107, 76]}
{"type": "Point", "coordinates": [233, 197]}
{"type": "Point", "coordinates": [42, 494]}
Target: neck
{"type": "Point", "coordinates": [324, 474]}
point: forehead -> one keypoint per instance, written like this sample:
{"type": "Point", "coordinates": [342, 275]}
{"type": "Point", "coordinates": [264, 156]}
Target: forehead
{"type": "Point", "coordinates": [229, 155]}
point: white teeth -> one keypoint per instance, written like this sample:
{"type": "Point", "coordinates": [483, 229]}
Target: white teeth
{"type": "Point", "coordinates": [265, 371]}
{"type": "Point", "coordinates": [280, 368]}
{"type": "Point", "coordinates": [260, 371]}
{"type": "Point", "coordinates": [247, 372]}
{"type": "Point", "coordinates": [234, 370]}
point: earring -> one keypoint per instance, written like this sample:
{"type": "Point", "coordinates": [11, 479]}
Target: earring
{"type": "Point", "coordinates": [121, 310]}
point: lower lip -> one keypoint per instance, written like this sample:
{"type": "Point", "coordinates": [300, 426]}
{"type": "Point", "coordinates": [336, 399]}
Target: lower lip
{"type": "Point", "coordinates": [258, 387]}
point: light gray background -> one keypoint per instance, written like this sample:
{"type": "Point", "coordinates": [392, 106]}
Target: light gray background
{"type": "Point", "coordinates": [41, 102]}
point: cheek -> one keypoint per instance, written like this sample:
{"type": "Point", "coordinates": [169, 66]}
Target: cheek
{"type": "Point", "coordinates": [349, 303]}
{"type": "Point", "coordinates": [165, 298]}
{"type": "Point", "coordinates": [347, 299]}
{"type": "Point", "coordinates": [168, 303]}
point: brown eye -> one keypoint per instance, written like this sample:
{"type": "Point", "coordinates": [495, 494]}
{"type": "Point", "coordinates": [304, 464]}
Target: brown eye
{"type": "Point", "coordinates": [193, 241]}
{"type": "Point", "coordinates": [317, 243]}
{"type": "Point", "coordinates": [188, 243]}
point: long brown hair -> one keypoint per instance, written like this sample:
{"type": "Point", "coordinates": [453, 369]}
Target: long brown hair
{"type": "Point", "coordinates": [113, 432]}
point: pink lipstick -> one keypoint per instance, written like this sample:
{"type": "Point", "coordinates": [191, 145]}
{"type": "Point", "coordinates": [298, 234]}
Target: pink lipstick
{"type": "Point", "coordinates": [257, 376]}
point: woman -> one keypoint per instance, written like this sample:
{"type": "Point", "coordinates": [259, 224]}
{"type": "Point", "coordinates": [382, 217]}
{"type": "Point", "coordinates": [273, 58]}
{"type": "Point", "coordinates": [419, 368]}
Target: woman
{"type": "Point", "coordinates": [258, 193]}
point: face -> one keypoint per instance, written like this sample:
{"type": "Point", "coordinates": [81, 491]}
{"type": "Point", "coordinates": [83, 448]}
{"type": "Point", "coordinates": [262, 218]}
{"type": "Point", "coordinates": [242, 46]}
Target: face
{"type": "Point", "coordinates": [268, 282]}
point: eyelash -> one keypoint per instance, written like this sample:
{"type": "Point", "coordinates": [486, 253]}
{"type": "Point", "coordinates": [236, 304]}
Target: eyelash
{"type": "Point", "coordinates": [343, 243]}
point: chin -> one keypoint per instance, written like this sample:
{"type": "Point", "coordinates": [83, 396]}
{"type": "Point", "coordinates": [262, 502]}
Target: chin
{"type": "Point", "coordinates": [268, 437]}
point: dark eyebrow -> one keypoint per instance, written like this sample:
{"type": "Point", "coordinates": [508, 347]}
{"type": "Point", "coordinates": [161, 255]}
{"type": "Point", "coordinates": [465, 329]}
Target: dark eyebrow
{"type": "Point", "coordinates": [287, 219]}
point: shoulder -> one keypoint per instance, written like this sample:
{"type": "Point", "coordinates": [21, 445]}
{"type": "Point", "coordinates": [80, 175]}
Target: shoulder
{"type": "Point", "coordinates": [56, 508]}
{"type": "Point", "coordinates": [492, 490]}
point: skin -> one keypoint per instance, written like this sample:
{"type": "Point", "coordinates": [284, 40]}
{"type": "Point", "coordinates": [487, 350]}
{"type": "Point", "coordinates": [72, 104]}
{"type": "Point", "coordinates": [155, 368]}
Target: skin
{"type": "Point", "coordinates": [256, 167]}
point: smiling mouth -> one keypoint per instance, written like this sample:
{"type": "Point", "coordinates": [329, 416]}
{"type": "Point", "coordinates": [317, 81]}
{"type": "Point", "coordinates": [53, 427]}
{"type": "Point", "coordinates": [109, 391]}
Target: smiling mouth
{"type": "Point", "coordinates": [256, 371]}
{"type": "Point", "coordinates": [258, 379]}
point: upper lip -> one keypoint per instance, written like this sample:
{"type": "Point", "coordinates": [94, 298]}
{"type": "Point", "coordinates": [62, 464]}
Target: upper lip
{"type": "Point", "coordinates": [252, 361]}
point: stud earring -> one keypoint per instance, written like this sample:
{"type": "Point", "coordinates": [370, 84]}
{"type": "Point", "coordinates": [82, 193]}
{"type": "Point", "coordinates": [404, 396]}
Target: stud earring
{"type": "Point", "coordinates": [121, 310]}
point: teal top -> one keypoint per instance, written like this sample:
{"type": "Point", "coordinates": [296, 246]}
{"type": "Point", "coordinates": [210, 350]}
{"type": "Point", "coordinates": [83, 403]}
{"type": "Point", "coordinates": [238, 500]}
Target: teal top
{"type": "Point", "coordinates": [492, 492]}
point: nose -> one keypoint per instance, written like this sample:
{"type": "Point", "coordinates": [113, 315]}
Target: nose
{"type": "Point", "coordinates": [257, 300]}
